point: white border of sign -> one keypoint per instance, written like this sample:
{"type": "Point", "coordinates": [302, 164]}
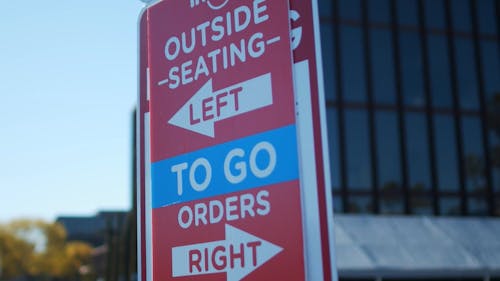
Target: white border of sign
{"type": "Point", "coordinates": [324, 141]}
{"type": "Point", "coordinates": [309, 174]}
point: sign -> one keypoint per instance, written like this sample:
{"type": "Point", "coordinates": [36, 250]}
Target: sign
{"type": "Point", "coordinates": [225, 199]}
{"type": "Point", "coordinates": [221, 192]}
{"type": "Point", "coordinates": [142, 146]}
{"type": "Point", "coordinates": [313, 141]}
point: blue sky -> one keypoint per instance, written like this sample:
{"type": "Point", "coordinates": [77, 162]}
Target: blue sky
{"type": "Point", "coordinates": [68, 86]}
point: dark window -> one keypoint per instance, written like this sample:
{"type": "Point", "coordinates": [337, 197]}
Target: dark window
{"type": "Point", "coordinates": [337, 204]}
{"type": "Point", "coordinates": [491, 72]}
{"type": "Point", "coordinates": [379, 11]}
{"type": "Point", "coordinates": [495, 158]}
{"type": "Point", "coordinates": [486, 16]}
{"type": "Point", "coordinates": [477, 205]}
{"type": "Point", "coordinates": [491, 69]}
{"type": "Point", "coordinates": [443, 279]}
{"type": "Point", "coordinates": [466, 71]}
{"type": "Point", "coordinates": [357, 148]}
{"type": "Point", "coordinates": [325, 8]}
{"type": "Point", "coordinates": [407, 12]}
{"type": "Point", "coordinates": [382, 66]}
{"type": "Point", "coordinates": [446, 153]}
{"type": "Point", "coordinates": [460, 11]}
{"type": "Point", "coordinates": [328, 52]}
{"type": "Point", "coordinates": [388, 162]}
{"type": "Point", "coordinates": [434, 14]}
{"type": "Point", "coordinates": [333, 144]}
{"type": "Point", "coordinates": [355, 279]}
{"type": "Point", "coordinates": [360, 204]}
{"type": "Point", "coordinates": [411, 59]}
{"type": "Point", "coordinates": [439, 71]}
{"type": "Point", "coordinates": [391, 203]}
{"type": "Point", "coordinates": [421, 204]}
{"type": "Point", "coordinates": [449, 206]}
{"type": "Point", "coordinates": [497, 208]}
{"type": "Point", "coordinates": [350, 9]}
{"type": "Point", "coordinates": [417, 152]}
{"type": "Point", "coordinates": [473, 154]}
{"type": "Point", "coordinates": [353, 65]}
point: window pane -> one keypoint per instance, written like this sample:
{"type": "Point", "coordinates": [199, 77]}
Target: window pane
{"type": "Point", "coordinates": [439, 71]}
{"type": "Point", "coordinates": [417, 152]}
{"type": "Point", "coordinates": [495, 156]}
{"type": "Point", "coordinates": [357, 148]}
{"type": "Point", "coordinates": [328, 52]}
{"type": "Point", "coordinates": [337, 204]}
{"type": "Point", "coordinates": [486, 16]}
{"type": "Point", "coordinates": [473, 154]}
{"type": "Point", "coordinates": [407, 12]}
{"type": "Point", "coordinates": [411, 59]}
{"type": "Point", "coordinates": [497, 206]}
{"type": "Point", "coordinates": [353, 65]}
{"type": "Point", "coordinates": [350, 9]}
{"type": "Point", "coordinates": [477, 206]}
{"type": "Point", "coordinates": [379, 11]}
{"type": "Point", "coordinates": [450, 206]}
{"type": "Point", "coordinates": [421, 205]}
{"type": "Point", "coordinates": [391, 204]}
{"type": "Point", "coordinates": [388, 162]}
{"type": "Point", "coordinates": [325, 8]}
{"type": "Point", "coordinates": [460, 12]}
{"type": "Point", "coordinates": [333, 146]}
{"type": "Point", "coordinates": [491, 69]}
{"type": "Point", "coordinates": [466, 72]}
{"type": "Point", "coordinates": [360, 204]}
{"type": "Point", "coordinates": [434, 14]}
{"type": "Point", "coordinates": [382, 66]}
{"type": "Point", "coordinates": [446, 153]}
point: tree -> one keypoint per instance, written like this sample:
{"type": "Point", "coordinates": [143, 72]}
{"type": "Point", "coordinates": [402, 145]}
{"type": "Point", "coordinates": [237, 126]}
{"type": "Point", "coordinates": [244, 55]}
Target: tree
{"type": "Point", "coordinates": [37, 248]}
{"type": "Point", "coordinates": [16, 255]}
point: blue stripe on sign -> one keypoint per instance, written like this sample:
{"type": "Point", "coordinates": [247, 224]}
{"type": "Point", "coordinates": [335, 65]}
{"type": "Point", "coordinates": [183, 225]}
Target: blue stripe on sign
{"type": "Point", "coordinates": [171, 181]}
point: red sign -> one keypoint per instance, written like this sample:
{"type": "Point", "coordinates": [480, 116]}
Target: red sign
{"type": "Point", "coordinates": [225, 199]}
{"type": "Point", "coordinates": [315, 176]}
{"type": "Point", "coordinates": [222, 193]}
{"type": "Point", "coordinates": [195, 48]}
{"type": "Point", "coordinates": [142, 145]}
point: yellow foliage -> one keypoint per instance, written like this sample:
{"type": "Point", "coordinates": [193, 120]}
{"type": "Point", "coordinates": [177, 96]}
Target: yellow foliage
{"type": "Point", "coordinates": [38, 248]}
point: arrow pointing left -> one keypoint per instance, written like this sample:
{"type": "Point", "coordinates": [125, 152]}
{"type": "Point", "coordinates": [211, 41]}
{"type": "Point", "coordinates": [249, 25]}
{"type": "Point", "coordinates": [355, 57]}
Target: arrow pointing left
{"type": "Point", "coordinates": [238, 255]}
{"type": "Point", "coordinates": [206, 106]}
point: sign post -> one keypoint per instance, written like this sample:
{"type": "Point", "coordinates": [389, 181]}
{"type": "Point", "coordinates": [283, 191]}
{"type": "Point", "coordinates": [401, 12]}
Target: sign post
{"type": "Point", "coordinates": [228, 188]}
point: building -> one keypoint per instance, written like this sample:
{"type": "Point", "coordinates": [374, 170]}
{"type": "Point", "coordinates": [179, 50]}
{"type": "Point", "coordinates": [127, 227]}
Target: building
{"type": "Point", "coordinates": [112, 234]}
{"type": "Point", "coordinates": [413, 93]}
{"type": "Point", "coordinates": [413, 109]}
{"type": "Point", "coordinates": [94, 230]}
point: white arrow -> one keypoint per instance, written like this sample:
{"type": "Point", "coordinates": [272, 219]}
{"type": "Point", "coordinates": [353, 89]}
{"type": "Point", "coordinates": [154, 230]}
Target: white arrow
{"type": "Point", "coordinates": [206, 107]}
{"type": "Point", "coordinates": [238, 255]}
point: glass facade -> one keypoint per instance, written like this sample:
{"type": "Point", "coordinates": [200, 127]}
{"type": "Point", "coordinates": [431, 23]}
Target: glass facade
{"type": "Point", "coordinates": [413, 97]}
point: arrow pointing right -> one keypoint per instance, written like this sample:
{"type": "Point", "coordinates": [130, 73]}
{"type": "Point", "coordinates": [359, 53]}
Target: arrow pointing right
{"type": "Point", "coordinates": [238, 255]}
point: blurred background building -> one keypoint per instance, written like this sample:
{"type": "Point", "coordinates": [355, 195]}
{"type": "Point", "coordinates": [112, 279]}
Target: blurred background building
{"type": "Point", "coordinates": [112, 236]}
{"type": "Point", "coordinates": [413, 108]}
{"type": "Point", "coordinates": [413, 97]}
{"type": "Point", "coordinates": [413, 105]}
